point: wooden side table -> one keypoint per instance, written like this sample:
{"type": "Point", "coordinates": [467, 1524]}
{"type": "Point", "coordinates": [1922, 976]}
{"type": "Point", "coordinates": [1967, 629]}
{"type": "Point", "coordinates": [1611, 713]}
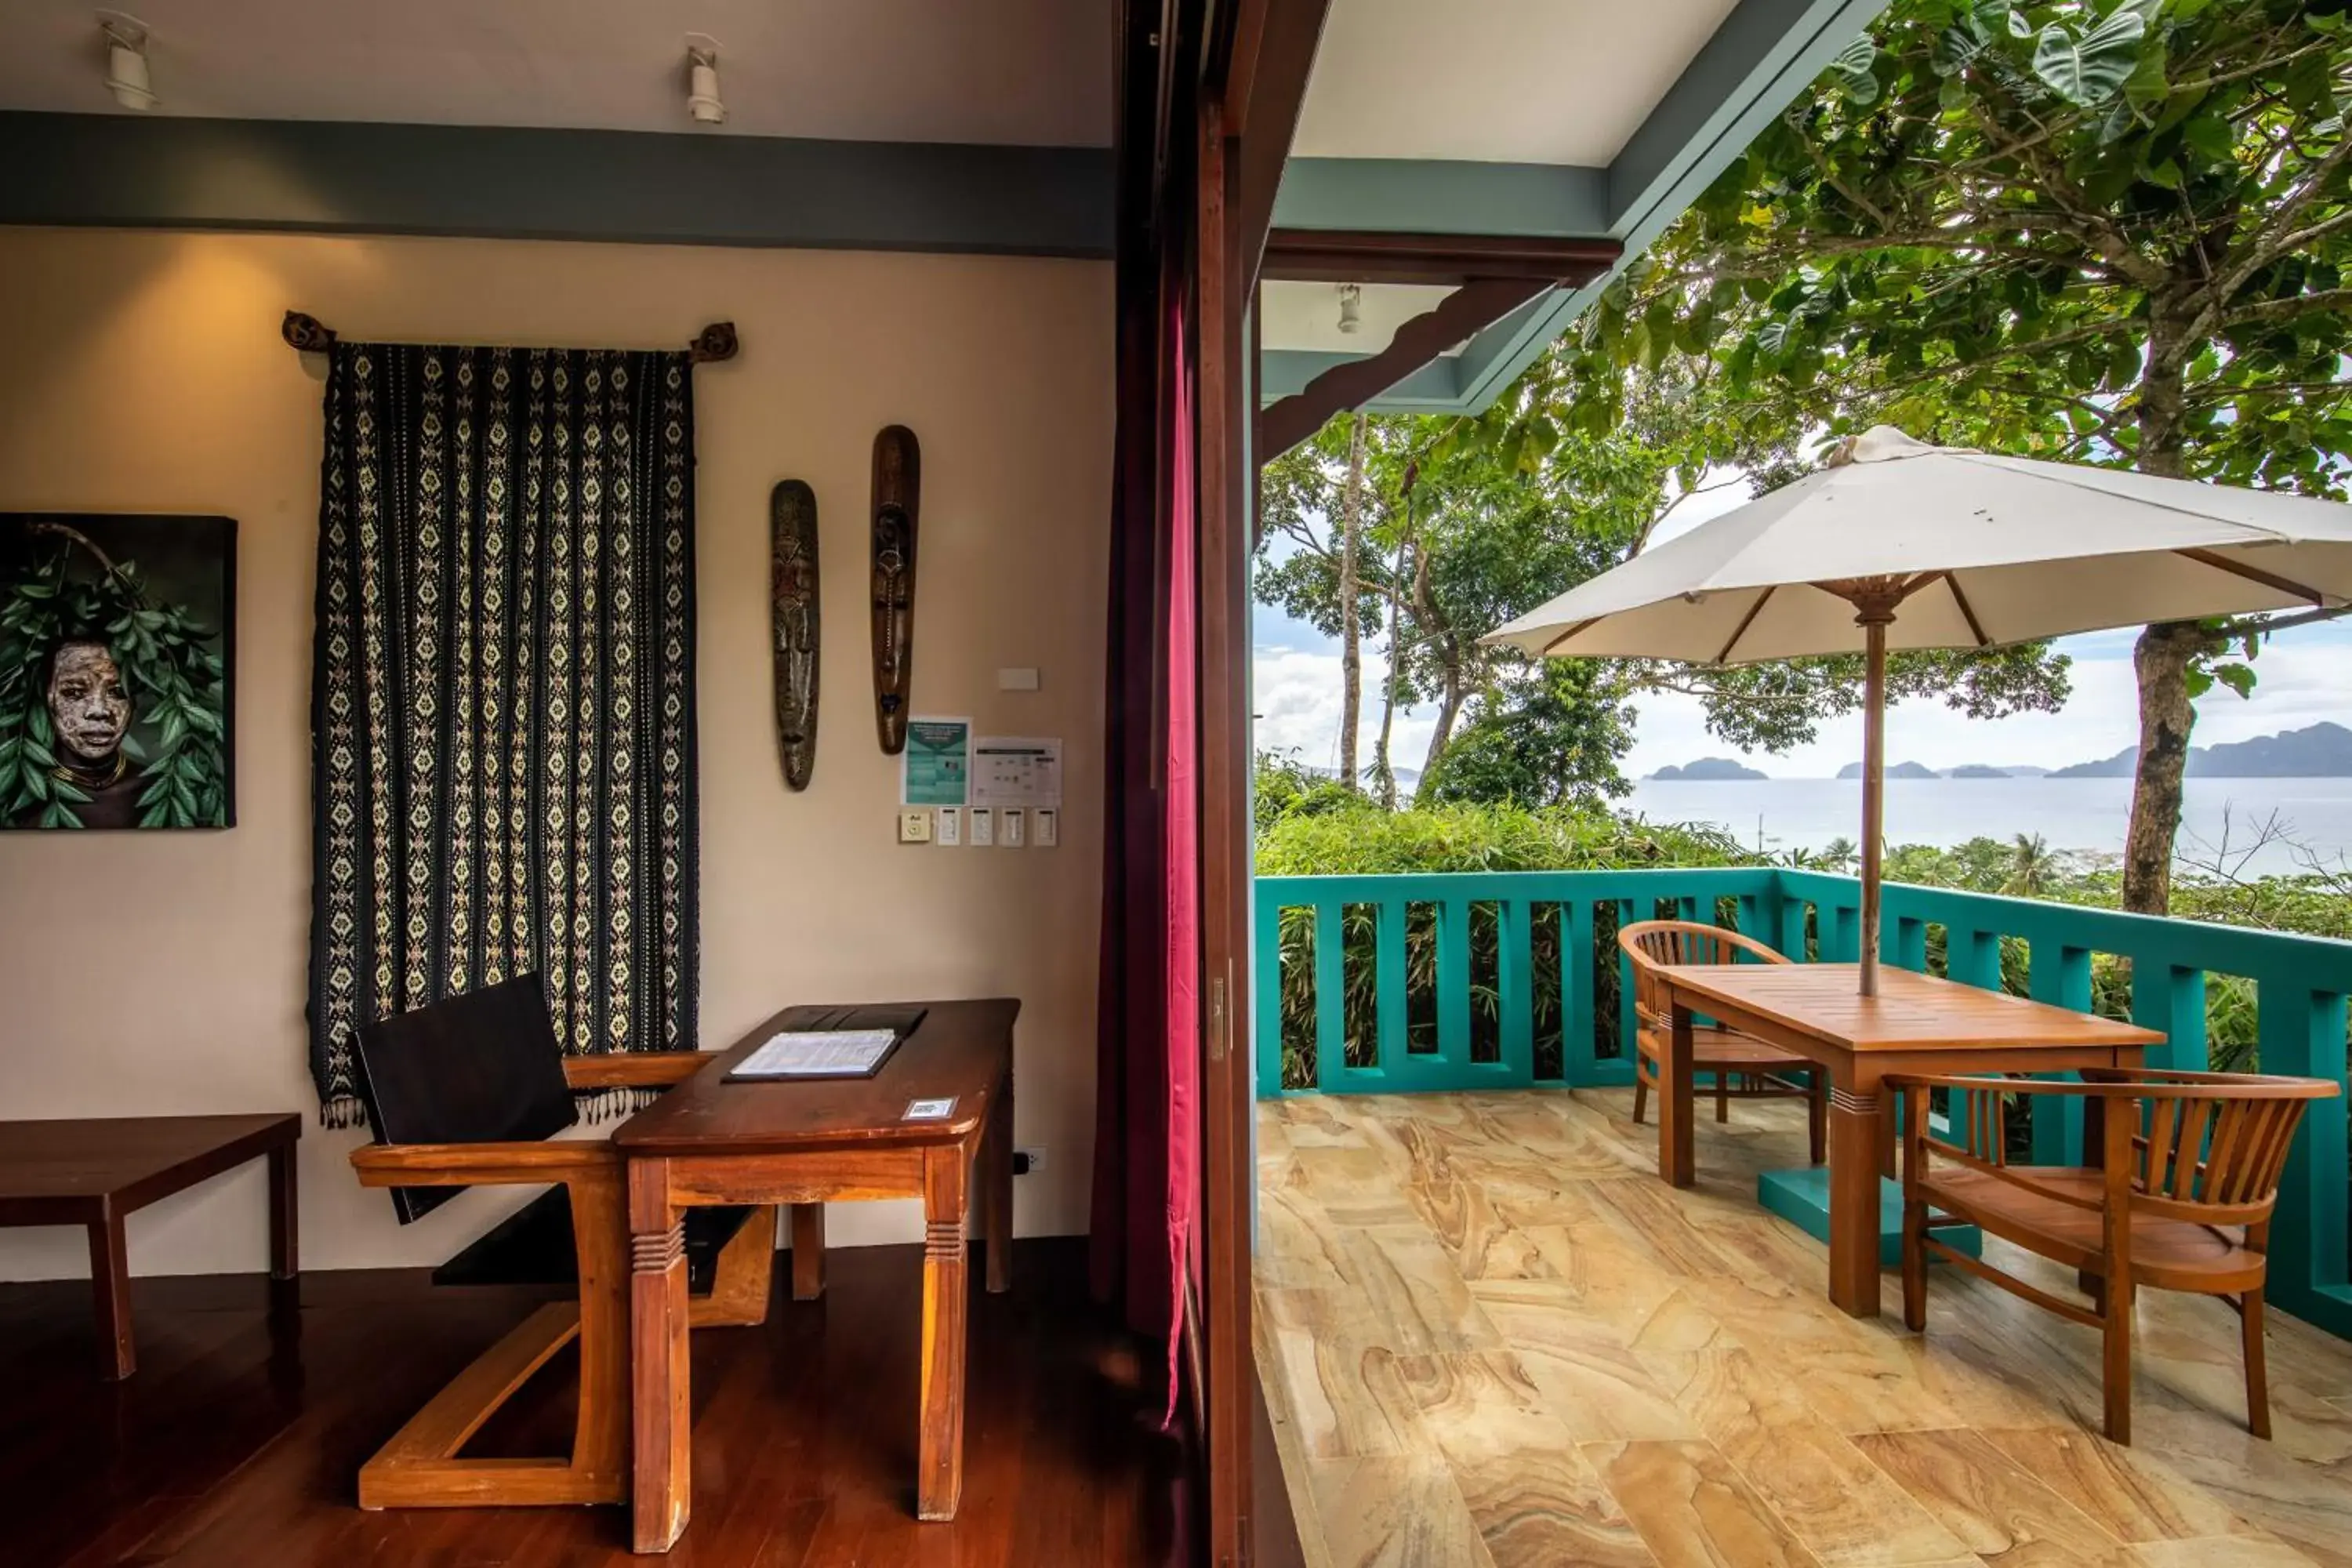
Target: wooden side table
{"type": "Point", "coordinates": [709, 1141]}
{"type": "Point", "coordinates": [95, 1173]}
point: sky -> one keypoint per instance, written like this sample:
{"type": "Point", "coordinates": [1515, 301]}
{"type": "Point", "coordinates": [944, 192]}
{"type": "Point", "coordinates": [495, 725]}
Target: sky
{"type": "Point", "coordinates": [2303, 680]}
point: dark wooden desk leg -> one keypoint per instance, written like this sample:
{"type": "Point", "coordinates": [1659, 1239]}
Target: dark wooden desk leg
{"type": "Point", "coordinates": [939, 1482]}
{"type": "Point", "coordinates": [808, 1251]}
{"type": "Point", "coordinates": [660, 1403]}
{"type": "Point", "coordinates": [285, 1238]}
{"type": "Point", "coordinates": [1674, 1090]}
{"type": "Point", "coordinates": [1853, 1199]}
{"type": "Point", "coordinates": [996, 1196]}
{"type": "Point", "coordinates": [110, 1284]}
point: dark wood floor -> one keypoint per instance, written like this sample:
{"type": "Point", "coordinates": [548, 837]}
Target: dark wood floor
{"type": "Point", "coordinates": [236, 1443]}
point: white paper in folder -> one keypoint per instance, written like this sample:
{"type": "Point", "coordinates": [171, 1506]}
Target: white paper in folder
{"type": "Point", "coordinates": [829, 1053]}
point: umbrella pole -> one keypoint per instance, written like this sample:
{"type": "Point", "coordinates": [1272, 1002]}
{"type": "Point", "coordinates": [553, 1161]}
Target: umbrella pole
{"type": "Point", "coordinates": [1873, 796]}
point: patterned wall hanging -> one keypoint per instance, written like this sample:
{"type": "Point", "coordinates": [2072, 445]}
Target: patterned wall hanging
{"type": "Point", "coordinates": [897, 506]}
{"type": "Point", "coordinates": [796, 610]}
{"type": "Point", "coordinates": [503, 693]}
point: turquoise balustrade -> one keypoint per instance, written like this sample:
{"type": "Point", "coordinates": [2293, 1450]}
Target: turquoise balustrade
{"type": "Point", "coordinates": [1461, 1029]}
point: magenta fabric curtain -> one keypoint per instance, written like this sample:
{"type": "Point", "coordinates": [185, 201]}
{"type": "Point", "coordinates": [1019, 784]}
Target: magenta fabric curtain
{"type": "Point", "coordinates": [1148, 1007]}
{"type": "Point", "coordinates": [1180, 831]}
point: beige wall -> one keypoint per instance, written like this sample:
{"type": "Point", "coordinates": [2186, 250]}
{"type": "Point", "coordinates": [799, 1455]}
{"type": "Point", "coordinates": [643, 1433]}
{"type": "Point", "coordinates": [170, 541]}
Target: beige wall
{"type": "Point", "coordinates": [164, 973]}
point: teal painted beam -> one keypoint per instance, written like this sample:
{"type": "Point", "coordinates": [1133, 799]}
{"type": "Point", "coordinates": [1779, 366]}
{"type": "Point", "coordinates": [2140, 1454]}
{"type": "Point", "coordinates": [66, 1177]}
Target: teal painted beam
{"type": "Point", "coordinates": [126, 171]}
{"type": "Point", "coordinates": [1765, 53]}
{"type": "Point", "coordinates": [1410, 195]}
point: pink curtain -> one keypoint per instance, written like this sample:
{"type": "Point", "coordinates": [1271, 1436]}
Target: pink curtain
{"type": "Point", "coordinates": [1181, 820]}
{"type": "Point", "coordinates": [1147, 1175]}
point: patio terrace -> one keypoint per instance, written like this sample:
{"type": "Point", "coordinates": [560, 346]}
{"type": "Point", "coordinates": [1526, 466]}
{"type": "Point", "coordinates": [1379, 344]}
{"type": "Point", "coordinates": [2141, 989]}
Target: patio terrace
{"type": "Point", "coordinates": [1488, 1335]}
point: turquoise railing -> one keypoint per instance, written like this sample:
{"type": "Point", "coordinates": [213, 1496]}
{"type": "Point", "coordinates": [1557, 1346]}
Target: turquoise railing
{"type": "Point", "coordinates": [1430, 1018]}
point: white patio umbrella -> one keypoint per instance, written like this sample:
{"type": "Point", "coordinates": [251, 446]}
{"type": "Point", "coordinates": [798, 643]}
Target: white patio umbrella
{"type": "Point", "coordinates": [1899, 544]}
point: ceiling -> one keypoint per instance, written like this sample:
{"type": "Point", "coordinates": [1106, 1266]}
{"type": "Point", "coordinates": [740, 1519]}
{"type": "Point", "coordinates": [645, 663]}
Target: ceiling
{"type": "Point", "coordinates": [1020, 72]}
{"type": "Point", "coordinates": [1530, 82]}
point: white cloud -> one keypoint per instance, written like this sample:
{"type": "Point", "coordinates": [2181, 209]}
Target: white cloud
{"type": "Point", "coordinates": [1296, 697]}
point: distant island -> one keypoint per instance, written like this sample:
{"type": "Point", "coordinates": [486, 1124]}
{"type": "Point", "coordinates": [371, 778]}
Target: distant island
{"type": "Point", "coordinates": [1976, 770]}
{"type": "Point", "coordinates": [1893, 771]}
{"type": "Point", "coordinates": [1707, 770]}
{"type": "Point", "coordinates": [2322, 751]}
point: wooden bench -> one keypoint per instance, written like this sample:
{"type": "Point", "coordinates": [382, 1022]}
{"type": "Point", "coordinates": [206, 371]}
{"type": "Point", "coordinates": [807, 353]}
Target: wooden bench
{"type": "Point", "coordinates": [94, 1173]}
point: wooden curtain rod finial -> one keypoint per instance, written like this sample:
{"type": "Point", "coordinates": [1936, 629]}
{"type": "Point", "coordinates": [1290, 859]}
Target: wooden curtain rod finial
{"type": "Point", "coordinates": [306, 335]}
{"type": "Point", "coordinates": [712, 345]}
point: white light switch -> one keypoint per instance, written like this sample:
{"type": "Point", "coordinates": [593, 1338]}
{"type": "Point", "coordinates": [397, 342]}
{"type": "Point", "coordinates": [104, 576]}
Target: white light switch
{"type": "Point", "coordinates": [1015, 824]}
{"type": "Point", "coordinates": [1024, 679]}
{"type": "Point", "coordinates": [1049, 827]}
{"type": "Point", "coordinates": [950, 828]}
{"type": "Point", "coordinates": [983, 828]}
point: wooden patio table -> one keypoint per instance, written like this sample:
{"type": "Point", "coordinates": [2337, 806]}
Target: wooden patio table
{"type": "Point", "coordinates": [708, 1142]}
{"type": "Point", "coordinates": [1916, 1022]}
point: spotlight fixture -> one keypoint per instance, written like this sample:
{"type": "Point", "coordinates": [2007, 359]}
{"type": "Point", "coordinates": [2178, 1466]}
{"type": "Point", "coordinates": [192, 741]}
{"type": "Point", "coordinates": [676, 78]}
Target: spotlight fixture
{"type": "Point", "coordinates": [702, 100]}
{"type": "Point", "coordinates": [126, 61]}
{"type": "Point", "coordinates": [1351, 308]}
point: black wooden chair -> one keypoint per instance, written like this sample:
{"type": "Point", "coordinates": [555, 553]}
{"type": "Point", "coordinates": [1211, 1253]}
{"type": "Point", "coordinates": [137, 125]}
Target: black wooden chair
{"type": "Point", "coordinates": [471, 1092]}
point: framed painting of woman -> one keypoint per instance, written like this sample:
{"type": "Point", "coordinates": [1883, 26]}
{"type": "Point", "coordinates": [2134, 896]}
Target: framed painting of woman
{"type": "Point", "coordinates": [117, 644]}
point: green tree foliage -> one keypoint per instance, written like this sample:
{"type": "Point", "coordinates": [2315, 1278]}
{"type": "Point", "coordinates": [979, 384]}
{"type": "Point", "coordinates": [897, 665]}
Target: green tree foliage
{"type": "Point", "coordinates": [176, 685]}
{"type": "Point", "coordinates": [2111, 231]}
{"type": "Point", "coordinates": [1551, 736]}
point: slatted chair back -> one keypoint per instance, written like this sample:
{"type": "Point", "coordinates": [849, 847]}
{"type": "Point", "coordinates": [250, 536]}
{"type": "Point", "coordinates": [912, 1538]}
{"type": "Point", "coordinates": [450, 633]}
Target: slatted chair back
{"type": "Point", "coordinates": [1653, 944]}
{"type": "Point", "coordinates": [2210, 1148]}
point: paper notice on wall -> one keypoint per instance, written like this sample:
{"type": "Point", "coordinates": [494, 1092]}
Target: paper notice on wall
{"type": "Point", "coordinates": [1015, 771]}
{"type": "Point", "coordinates": [935, 769]}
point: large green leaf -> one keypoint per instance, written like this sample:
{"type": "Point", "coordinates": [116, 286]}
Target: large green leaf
{"type": "Point", "coordinates": [2090, 67]}
{"type": "Point", "coordinates": [1852, 74]}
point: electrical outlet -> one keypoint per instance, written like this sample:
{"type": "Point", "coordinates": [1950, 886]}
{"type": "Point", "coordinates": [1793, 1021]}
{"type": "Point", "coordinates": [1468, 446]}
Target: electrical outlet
{"type": "Point", "coordinates": [1028, 1159]}
{"type": "Point", "coordinates": [1049, 827]}
{"type": "Point", "coordinates": [983, 828]}
{"type": "Point", "coordinates": [950, 828]}
{"type": "Point", "coordinates": [1014, 825]}
{"type": "Point", "coordinates": [914, 828]}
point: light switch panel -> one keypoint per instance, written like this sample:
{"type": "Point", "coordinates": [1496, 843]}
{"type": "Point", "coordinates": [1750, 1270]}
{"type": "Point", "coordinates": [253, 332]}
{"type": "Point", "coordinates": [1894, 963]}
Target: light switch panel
{"type": "Point", "coordinates": [1012, 824]}
{"type": "Point", "coordinates": [914, 828]}
{"type": "Point", "coordinates": [1049, 827]}
{"type": "Point", "coordinates": [951, 825]}
{"type": "Point", "coordinates": [983, 828]}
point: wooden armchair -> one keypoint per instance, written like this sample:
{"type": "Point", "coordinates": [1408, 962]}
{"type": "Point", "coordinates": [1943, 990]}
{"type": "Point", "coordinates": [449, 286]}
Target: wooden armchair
{"type": "Point", "coordinates": [470, 1092]}
{"type": "Point", "coordinates": [2180, 1201]}
{"type": "Point", "coordinates": [1743, 1068]}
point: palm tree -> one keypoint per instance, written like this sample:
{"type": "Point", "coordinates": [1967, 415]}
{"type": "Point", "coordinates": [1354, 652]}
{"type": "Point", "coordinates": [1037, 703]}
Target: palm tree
{"type": "Point", "coordinates": [2031, 867]}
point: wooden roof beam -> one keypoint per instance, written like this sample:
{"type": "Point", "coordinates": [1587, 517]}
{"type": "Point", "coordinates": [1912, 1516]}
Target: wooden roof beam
{"type": "Point", "coordinates": [1455, 319]}
{"type": "Point", "coordinates": [1447, 259]}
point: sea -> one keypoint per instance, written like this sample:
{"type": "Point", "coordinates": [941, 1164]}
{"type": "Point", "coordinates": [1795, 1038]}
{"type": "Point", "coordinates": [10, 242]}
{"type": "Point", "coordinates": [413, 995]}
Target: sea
{"type": "Point", "coordinates": [2247, 826]}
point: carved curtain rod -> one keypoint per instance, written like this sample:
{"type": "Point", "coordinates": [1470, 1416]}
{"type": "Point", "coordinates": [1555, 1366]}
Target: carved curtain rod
{"type": "Point", "coordinates": [713, 344]}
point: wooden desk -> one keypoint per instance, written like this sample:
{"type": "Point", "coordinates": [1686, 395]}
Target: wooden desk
{"type": "Point", "coordinates": [1915, 1024]}
{"type": "Point", "coordinates": [96, 1173]}
{"type": "Point", "coordinates": [709, 1141]}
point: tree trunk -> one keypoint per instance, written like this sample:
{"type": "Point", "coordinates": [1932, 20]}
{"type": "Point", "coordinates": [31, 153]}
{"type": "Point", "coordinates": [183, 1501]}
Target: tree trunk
{"type": "Point", "coordinates": [1352, 652]}
{"type": "Point", "coordinates": [1383, 766]}
{"type": "Point", "coordinates": [1452, 691]}
{"type": "Point", "coordinates": [2163, 655]}
{"type": "Point", "coordinates": [2160, 659]}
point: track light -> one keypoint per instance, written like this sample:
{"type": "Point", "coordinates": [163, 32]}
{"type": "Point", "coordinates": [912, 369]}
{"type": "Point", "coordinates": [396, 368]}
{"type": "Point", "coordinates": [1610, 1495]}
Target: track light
{"type": "Point", "coordinates": [702, 100]}
{"type": "Point", "coordinates": [126, 61]}
{"type": "Point", "coordinates": [1351, 306]}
